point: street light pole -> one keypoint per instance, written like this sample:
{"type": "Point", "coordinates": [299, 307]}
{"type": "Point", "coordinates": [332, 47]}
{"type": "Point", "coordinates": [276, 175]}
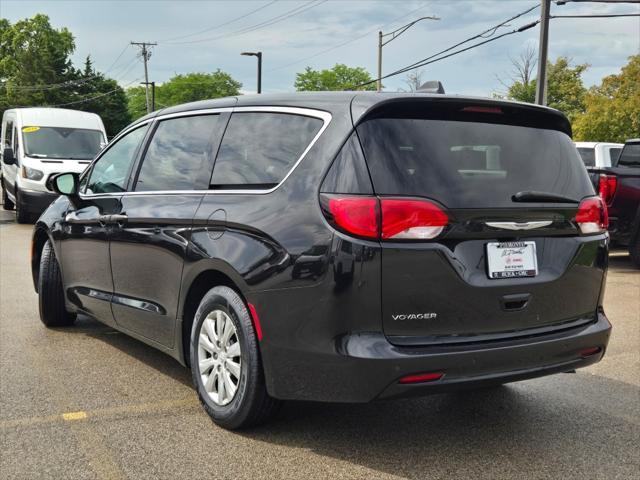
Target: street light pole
{"type": "Point", "coordinates": [395, 34]}
{"type": "Point", "coordinates": [259, 56]}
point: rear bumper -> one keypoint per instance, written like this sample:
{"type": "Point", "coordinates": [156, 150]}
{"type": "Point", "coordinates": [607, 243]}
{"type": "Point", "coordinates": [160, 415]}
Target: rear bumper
{"type": "Point", "coordinates": [367, 367]}
{"type": "Point", "coordinates": [36, 202]}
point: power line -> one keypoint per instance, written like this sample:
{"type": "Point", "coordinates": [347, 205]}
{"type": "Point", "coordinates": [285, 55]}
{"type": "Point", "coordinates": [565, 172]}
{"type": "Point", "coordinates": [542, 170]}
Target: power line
{"type": "Point", "coordinates": [220, 24]}
{"type": "Point", "coordinates": [430, 59]}
{"type": "Point", "coordinates": [604, 15]}
{"type": "Point", "coordinates": [266, 23]}
{"type": "Point", "coordinates": [322, 52]}
{"type": "Point", "coordinates": [84, 100]}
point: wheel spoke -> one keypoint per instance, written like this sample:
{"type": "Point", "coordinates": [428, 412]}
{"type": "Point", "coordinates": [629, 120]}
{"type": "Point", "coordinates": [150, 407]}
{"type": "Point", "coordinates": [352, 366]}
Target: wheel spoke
{"type": "Point", "coordinates": [221, 388]}
{"type": "Point", "coordinates": [234, 368]}
{"type": "Point", "coordinates": [230, 388]}
{"type": "Point", "coordinates": [206, 364]}
{"type": "Point", "coordinates": [205, 343]}
{"type": "Point", "coordinates": [227, 332]}
{"type": "Point", "coordinates": [233, 350]}
{"type": "Point", "coordinates": [219, 324]}
{"type": "Point", "coordinates": [209, 328]}
{"type": "Point", "coordinates": [208, 385]}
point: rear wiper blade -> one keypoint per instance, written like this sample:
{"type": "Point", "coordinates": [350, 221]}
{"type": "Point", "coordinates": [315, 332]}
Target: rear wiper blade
{"type": "Point", "coordinates": [532, 196]}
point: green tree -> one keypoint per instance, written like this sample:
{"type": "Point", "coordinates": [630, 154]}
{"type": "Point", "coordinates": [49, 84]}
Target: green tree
{"type": "Point", "coordinates": [33, 56]}
{"type": "Point", "coordinates": [35, 70]}
{"type": "Point", "coordinates": [106, 98]}
{"type": "Point", "coordinates": [612, 108]}
{"type": "Point", "coordinates": [185, 88]}
{"type": "Point", "coordinates": [565, 90]}
{"type": "Point", "coordinates": [340, 77]}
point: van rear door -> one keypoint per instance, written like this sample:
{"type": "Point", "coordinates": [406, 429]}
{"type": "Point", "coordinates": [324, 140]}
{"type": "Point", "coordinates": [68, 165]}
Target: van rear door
{"type": "Point", "coordinates": [512, 258]}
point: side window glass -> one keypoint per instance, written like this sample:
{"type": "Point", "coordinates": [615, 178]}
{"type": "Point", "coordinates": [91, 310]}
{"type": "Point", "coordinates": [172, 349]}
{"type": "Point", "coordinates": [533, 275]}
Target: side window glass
{"type": "Point", "coordinates": [179, 156]}
{"type": "Point", "coordinates": [348, 173]}
{"type": "Point", "coordinates": [110, 172]}
{"type": "Point", "coordinates": [259, 149]}
{"type": "Point", "coordinates": [8, 134]}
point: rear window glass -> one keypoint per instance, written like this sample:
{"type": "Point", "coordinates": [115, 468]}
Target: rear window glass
{"type": "Point", "coordinates": [630, 156]}
{"type": "Point", "coordinates": [258, 148]}
{"type": "Point", "coordinates": [470, 164]}
{"type": "Point", "coordinates": [588, 156]}
{"type": "Point", "coordinates": [614, 153]}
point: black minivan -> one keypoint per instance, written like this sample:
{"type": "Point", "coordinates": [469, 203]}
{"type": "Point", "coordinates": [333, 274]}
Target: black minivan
{"type": "Point", "coordinates": [338, 247]}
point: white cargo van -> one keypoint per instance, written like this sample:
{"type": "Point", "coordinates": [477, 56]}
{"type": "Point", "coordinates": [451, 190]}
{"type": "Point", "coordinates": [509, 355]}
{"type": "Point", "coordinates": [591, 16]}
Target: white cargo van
{"type": "Point", "coordinates": [38, 142]}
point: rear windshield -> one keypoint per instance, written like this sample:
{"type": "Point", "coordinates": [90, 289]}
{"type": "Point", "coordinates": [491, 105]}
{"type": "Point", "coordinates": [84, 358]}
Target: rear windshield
{"type": "Point", "coordinates": [588, 156]}
{"type": "Point", "coordinates": [470, 164]}
{"type": "Point", "coordinates": [58, 142]}
{"type": "Point", "coordinates": [630, 156]}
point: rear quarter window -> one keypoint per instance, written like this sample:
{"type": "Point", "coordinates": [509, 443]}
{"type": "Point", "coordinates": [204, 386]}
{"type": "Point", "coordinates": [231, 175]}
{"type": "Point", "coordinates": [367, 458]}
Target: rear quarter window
{"type": "Point", "coordinates": [260, 148]}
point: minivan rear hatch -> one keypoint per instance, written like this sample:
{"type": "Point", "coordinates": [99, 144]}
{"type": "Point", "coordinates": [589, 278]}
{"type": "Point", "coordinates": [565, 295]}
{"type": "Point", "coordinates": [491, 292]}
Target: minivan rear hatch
{"type": "Point", "coordinates": [510, 182]}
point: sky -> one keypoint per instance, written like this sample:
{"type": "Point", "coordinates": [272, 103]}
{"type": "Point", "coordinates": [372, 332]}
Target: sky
{"type": "Point", "coordinates": [202, 36]}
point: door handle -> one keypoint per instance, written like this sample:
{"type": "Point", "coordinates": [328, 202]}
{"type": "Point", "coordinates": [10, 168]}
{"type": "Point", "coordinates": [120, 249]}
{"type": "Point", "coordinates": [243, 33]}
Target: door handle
{"type": "Point", "coordinates": [119, 219]}
{"type": "Point", "coordinates": [103, 220]}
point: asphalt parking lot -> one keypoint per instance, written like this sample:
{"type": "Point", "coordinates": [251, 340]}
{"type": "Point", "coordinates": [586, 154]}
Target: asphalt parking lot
{"type": "Point", "coordinates": [89, 402]}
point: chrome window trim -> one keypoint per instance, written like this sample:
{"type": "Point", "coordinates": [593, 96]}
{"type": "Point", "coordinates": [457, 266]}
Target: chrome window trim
{"type": "Point", "coordinates": [326, 117]}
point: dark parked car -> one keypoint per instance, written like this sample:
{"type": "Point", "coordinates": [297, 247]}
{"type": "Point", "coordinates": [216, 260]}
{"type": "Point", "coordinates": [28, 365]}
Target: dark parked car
{"type": "Point", "coordinates": [469, 245]}
{"type": "Point", "coordinates": [619, 186]}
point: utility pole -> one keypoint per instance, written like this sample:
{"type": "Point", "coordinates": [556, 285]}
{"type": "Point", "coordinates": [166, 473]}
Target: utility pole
{"type": "Point", "coordinates": [259, 56]}
{"type": "Point", "coordinates": [395, 34]}
{"type": "Point", "coordinates": [543, 46]}
{"type": "Point", "coordinates": [153, 94]}
{"type": "Point", "coordinates": [146, 54]}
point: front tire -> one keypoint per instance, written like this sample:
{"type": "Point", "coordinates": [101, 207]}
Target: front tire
{"type": "Point", "coordinates": [7, 204]}
{"type": "Point", "coordinates": [225, 362]}
{"type": "Point", "coordinates": [22, 215]}
{"type": "Point", "coordinates": [51, 292]}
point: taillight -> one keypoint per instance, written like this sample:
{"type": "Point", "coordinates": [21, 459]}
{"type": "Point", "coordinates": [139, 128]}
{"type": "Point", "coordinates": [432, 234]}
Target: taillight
{"type": "Point", "coordinates": [411, 219]}
{"type": "Point", "coordinates": [592, 216]}
{"type": "Point", "coordinates": [385, 218]}
{"type": "Point", "coordinates": [355, 215]}
{"type": "Point", "coordinates": [607, 185]}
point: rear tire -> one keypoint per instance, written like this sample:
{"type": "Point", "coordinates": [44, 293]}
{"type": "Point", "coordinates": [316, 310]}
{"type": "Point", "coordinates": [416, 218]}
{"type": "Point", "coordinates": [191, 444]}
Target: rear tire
{"type": "Point", "coordinates": [53, 312]}
{"type": "Point", "coordinates": [634, 251]}
{"type": "Point", "coordinates": [7, 204]}
{"type": "Point", "coordinates": [213, 354]}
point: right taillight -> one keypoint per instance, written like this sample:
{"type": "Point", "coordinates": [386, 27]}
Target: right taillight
{"type": "Point", "coordinates": [592, 216]}
{"type": "Point", "coordinates": [385, 218]}
{"type": "Point", "coordinates": [607, 185]}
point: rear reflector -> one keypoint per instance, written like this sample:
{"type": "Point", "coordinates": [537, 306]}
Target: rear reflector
{"type": "Point", "coordinates": [421, 378]}
{"type": "Point", "coordinates": [587, 352]}
{"type": "Point", "coordinates": [607, 185]}
{"type": "Point", "coordinates": [256, 321]}
{"type": "Point", "coordinates": [409, 219]}
{"type": "Point", "coordinates": [592, 215]}
{"type": "Point", "coordinates": [386, 218]}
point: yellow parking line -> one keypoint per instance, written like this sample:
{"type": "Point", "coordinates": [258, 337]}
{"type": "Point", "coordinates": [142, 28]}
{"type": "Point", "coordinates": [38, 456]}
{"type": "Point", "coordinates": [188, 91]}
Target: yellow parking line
{"type": "Point", "coordinates": [74, 415]}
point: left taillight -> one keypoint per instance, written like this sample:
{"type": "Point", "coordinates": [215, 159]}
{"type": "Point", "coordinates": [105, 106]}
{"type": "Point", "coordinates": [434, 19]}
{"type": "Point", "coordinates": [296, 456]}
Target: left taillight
{"type": "Point", "coordinates": [592, 216]}
{"type": "Point", "coordinates": [385, 218]}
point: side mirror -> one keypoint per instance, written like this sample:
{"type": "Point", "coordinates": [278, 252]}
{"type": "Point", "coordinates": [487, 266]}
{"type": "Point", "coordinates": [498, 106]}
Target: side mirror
{"type": "Point", "coordinates": [8, 157]}
{"type": "Point", "coordinates": [65, 184]}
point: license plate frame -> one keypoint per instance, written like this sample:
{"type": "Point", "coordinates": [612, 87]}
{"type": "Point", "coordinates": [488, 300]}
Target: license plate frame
{"type": "Point", "coordinates": [511, 260]}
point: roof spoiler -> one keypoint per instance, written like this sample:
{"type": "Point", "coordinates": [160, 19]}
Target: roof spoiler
{"type": "Point", "coordinates": [432, 86]}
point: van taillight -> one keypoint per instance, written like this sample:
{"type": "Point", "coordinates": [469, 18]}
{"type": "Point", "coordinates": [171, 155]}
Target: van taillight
{"type": "Point", "coordinates": [607, 185]}
{"type": "Point", "coordinates": [355, 215]}
{"type": "Point", "coordinates": [592, 215]}
{"type": "Point", "coordinates": [410, 219]}
{"type": "Point", "coordinates": [385, 218]}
